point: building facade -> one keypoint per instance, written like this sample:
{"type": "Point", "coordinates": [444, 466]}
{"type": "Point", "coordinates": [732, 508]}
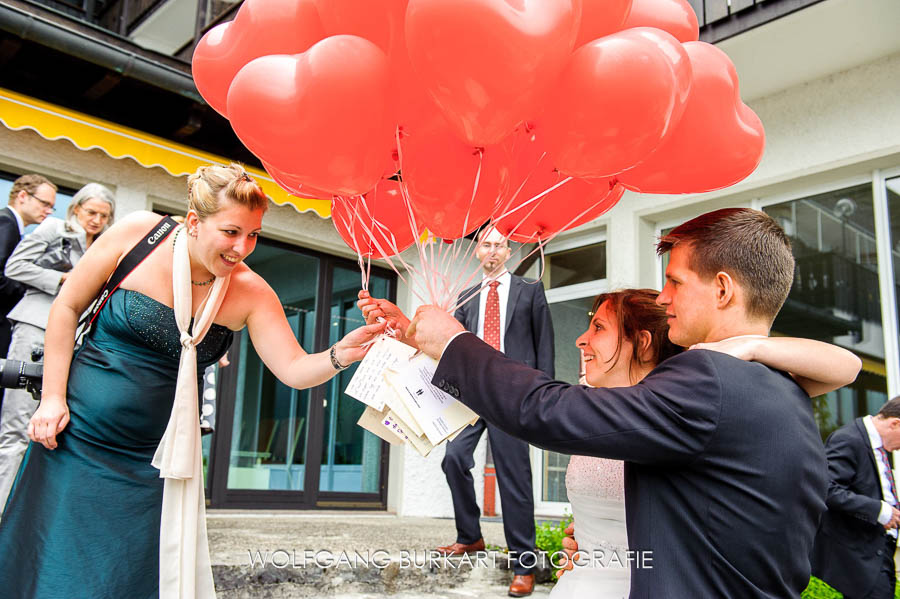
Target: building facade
{"type": "Point", "coordinates": [94, 90]}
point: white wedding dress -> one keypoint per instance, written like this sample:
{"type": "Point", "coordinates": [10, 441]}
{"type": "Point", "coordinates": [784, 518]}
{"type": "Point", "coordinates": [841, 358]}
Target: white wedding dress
{"type": "Point", "coordinates": [596, 489]}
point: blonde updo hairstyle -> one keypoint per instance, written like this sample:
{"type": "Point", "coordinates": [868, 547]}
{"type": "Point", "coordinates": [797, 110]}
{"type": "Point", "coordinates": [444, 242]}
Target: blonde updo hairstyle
{"type": "Point", "coordinates": [210, 183]}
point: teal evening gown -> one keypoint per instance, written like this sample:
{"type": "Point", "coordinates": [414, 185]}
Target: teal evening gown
{"type": "Point", "coordinates": [82, 521]}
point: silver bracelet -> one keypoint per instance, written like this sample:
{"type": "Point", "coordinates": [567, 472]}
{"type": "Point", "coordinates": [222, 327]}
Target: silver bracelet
{"type": "Point", "coordinates": [334, 361]}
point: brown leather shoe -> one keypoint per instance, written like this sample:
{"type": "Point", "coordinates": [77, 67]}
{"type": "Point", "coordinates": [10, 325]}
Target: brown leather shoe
{"type": "Point", "coordinates": [522, 585]}
{"type": "Point", "coordinates": [460, 548]}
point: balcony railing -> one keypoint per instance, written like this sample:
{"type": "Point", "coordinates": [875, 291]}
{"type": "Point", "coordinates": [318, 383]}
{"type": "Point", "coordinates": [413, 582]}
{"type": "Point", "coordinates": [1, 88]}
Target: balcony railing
{"type": "Point", "coordinates": [721, 19]}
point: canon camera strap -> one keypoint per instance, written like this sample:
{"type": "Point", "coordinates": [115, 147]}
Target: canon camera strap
{"type": "Point", "coordinates": [131, 261]}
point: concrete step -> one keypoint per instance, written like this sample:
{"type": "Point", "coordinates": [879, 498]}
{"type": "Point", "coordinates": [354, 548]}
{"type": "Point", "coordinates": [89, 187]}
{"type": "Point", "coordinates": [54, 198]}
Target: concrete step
{"type": "Point", "coordinates": [278, 555]}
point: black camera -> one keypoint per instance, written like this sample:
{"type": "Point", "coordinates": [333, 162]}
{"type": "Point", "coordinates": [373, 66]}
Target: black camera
{"type": "Point", "coordinates": [15, 374]}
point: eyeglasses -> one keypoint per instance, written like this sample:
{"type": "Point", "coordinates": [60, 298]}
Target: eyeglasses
{"type": "Point", "coordinates": [44, 203]}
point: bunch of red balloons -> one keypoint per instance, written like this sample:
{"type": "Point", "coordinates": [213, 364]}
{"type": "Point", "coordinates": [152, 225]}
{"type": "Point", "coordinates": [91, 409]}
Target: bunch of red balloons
{"type": "Point", "coordinates": [534, 115]}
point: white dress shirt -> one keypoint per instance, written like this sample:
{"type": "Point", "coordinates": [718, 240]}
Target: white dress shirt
{"type": "Point", "coordinates": [503, 291]}
{"type": "Point", "coordinates": [884, 516]}
{"type": "Point", "coordinates": [19, 221]}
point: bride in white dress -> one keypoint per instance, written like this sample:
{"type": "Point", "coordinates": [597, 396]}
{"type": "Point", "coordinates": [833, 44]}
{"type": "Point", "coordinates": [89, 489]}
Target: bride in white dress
{"type": "Point", "coordinates": [626, 339]}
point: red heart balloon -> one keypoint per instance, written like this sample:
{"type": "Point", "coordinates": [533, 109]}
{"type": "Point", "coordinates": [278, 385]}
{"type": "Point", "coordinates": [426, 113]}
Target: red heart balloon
{"type": "Point", "coordinates": [293, 185]}
{"type": "Point", "coordinates": [323, 112]}
{"type": "Point", "coordinates": [675, 16]}
{"type": "Point", "coordinates": [440, 172]}
{"type": "Point", "coordinates": [527, 217]}
{"type": "Point", "coordinates": [718, 142]}
{"type": "Point", "coordinates": [375, 224]}
{"type": "Point", "coordinates": [601, 17]}
{"type": "Point", "coordinates": [616, 101]}
{"type": "Point", "coordinates": [261, 27]}
{"type": "Point", "coordinates": [489, 64]}
{"type": "Point", "coordinates": [382, 23]}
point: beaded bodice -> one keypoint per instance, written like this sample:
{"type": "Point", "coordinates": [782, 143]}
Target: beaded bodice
{"type": "Point", "coordinates": [154, 323]}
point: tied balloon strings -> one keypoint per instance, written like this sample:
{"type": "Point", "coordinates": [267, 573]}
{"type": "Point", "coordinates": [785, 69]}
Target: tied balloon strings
{"type": "Point", "coordinates": [434, 280]}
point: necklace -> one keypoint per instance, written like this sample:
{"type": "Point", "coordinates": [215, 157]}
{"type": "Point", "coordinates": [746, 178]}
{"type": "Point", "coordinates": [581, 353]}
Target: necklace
{"type": "Point", "coordinates": [193, 282]}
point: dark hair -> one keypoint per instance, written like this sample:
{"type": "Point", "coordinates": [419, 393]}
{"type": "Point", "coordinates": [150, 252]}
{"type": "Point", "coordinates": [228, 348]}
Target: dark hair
{"type": "Point", "coordinates": [29, 184]}
{"type": "Point", "coordinates": [748, 245]}
{"type": "Point", "coordinates": [891, 409]}
{"type": "Point", "coordinates": [636, 310]}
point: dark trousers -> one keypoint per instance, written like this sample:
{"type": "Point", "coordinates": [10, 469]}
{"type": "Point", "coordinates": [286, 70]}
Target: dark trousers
{"type": "Point", "coordinates": [513, 477]}
{"type": "Point", "coordinates": [5, 338]}
{"type": "Point", "coordinates": [886, 581]}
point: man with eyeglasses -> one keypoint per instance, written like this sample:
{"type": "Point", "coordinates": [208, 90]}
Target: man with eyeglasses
{"type": "Point", "coordinates": [31, 200]}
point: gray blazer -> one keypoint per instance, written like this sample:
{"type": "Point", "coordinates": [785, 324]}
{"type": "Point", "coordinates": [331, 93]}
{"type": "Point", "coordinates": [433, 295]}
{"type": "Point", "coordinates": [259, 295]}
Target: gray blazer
{"type": "Point", "coordinates": [39, 261]}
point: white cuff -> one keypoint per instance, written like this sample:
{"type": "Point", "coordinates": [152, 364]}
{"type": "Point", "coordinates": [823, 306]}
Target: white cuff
{"type": "Point", "coordinates": [887, 510]}
{"type": "Point", "coordinates": [451, 341]}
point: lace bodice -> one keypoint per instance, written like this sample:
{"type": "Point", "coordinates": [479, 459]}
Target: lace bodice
{"type": "Point", "coordinates": [599, 477]}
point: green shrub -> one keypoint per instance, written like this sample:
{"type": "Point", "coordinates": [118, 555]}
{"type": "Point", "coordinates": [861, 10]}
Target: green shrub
{"type": "Point", "coordinates": [549, 536]}
{"type": "Point", "coordinates": [819, 589]}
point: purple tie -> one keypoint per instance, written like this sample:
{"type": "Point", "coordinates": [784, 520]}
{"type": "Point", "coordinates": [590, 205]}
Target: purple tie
{"type": "Point", "coordinates": [890, 475]}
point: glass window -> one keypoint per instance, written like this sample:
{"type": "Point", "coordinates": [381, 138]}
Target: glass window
{"type": "Point", "coordinates": [570, 320]}
{"type": "Point", "coordinates": [835, 295]}
{"type": "Point", "coordinates": [268, 444]}
{"type": "Point", "coordinates": [579, 265]}
{"type": "Point", "coordinates": [351, 455]}
{"type": "Point", "coordinates": [893, 201]}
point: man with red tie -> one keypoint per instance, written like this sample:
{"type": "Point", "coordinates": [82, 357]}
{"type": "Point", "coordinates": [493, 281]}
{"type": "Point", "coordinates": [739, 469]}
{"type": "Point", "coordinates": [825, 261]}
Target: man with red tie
{"type": "Point", "coordinates": [857, 537]}
{"type": "Point", "coordinates": [510, 314]}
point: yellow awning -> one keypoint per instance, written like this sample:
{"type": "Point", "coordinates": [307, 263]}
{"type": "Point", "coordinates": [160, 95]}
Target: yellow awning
{"type": "Point", "coordinates": [53, 122]}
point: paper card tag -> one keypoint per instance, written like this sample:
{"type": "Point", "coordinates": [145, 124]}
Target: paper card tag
{"type": "Point", "coordinates": [438, 413]}
{"type": "Point", "coordinates": [373, 421]}
{"type": "Point", "coordinates": [367, 384]}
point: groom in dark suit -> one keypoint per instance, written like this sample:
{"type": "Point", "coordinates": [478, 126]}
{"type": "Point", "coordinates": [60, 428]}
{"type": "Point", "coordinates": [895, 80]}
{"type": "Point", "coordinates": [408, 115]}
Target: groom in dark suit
{"type": "Point", "coordinates": [857, 538]}
{"type": "Point", "coordinates": [511, 315]}
{"type": "Point", "coordinates": [725, 474]}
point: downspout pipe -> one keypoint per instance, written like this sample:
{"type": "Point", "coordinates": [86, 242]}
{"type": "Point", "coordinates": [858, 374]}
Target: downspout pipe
{"type": "Point", "coordinates": [45, 32]}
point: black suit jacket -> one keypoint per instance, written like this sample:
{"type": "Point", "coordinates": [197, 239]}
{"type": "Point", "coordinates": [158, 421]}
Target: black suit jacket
{"type": "Point", "coordinates": [10, 291]}
{"type": "Point", "coordinates": [850, 543]}
{"type": "Point", "coordinates": [528, 334]}
{"type": "Point", "coordinates": [725, 474]}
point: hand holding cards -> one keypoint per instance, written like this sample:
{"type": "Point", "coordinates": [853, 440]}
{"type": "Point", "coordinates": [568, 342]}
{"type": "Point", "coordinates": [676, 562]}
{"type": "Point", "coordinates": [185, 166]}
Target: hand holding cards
{"type": "Point", "coordinates": [403, 405]}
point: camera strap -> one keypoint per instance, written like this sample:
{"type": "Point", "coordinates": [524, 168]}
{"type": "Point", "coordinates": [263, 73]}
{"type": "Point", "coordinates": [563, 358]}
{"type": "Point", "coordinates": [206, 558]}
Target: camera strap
{"type": "Point", "coordinates": [131, 261]}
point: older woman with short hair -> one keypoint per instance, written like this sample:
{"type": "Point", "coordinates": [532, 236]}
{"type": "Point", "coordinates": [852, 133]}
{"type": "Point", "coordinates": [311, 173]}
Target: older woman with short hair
{"type": "Point", "coordinates": [42, 261]}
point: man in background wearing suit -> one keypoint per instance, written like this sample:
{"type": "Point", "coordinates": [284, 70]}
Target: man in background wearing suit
{"type": "Point", "coordinates": [725, 474]}
{"type": "Point", "coordinates": [512, 316]}
{"type": "Point", "coordinates": [31, 200]}
{"type": "Point", "coordinates": [857, 538]}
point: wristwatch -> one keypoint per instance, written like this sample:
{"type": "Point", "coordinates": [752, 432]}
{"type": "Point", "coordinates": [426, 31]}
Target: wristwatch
{"type": "Point", "coordinates": [334, 361]}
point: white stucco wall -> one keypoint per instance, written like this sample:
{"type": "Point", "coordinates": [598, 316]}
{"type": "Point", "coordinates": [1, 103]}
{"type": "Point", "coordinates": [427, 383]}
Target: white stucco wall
{"type": "Point", "coordinates": [818, 135]}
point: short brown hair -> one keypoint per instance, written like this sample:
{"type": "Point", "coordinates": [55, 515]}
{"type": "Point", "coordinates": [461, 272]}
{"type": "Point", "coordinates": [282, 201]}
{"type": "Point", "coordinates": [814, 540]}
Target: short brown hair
{"type": "Point", "coordinates": [891, 409]}
{"type": "Point", "coordinates": [636, 310]}
{"type": "Point", "coordinates": [29, 184]}
{"type": "Point", "coordinates": [747, 244]}
{"type": "Point", "coordinates": [205, 185]}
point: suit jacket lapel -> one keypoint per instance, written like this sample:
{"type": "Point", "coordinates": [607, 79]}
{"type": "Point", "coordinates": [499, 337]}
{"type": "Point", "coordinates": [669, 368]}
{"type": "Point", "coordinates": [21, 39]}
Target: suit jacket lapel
{"type": "Point", "coordinates": [515, 287]}
{"type": "Point", "coordinates": [471, 308]}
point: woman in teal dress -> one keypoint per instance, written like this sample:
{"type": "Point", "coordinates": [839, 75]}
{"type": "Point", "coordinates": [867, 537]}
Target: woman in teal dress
{"type": "Point", "coordinates": [84, 515]}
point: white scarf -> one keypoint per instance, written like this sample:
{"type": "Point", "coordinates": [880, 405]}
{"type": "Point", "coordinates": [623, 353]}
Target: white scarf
{"type": "Point", "coordinates": [185, 571]}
